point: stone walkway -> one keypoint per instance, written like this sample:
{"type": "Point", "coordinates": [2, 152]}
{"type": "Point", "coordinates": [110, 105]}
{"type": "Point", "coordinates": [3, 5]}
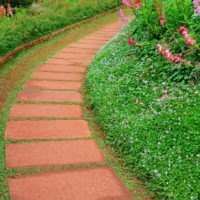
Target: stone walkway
{"type": "Point", "coordinates": [48, 108]}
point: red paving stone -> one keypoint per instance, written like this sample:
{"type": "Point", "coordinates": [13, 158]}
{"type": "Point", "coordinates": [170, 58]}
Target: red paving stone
{"type": "Point", "coordinates": [98, 37]}
{"type": "Point", "coordinates": [77, 50]}
{"type": "Point", "coordinates": [102, 33]}
{"type": "Point", "coordinates": [42, 154]}
{"type": "Point", "coordinates": [98, 183]}
{"type": "Point", "coordinates": [107, 30]}
{"type": "Point", "coordinates": [86, 46]}
{"type": "Point", "coordinates": [85, 41]}
{"type": "Point", "coordinates": [60, 68]}
{"type": "Point", "coordinates": [68, 62]}
{"type": "Point", "coordinates": [45, 111]}
{"type": "Point", "coordinates": [54, 85]}
{"type": "Point", "coordinates": [73, 56]}
{"type": "Point", "coordinates": [57, 76]}
{"type": "Point", "coordinates": [46, 129]}
{"type": "Point", "coordinates": [49, 96]}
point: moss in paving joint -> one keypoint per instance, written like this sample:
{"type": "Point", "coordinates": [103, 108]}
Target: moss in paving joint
{"type": "Point", "coordinates": [38, 79]}
{"type": "Point", "coordinates": [60, 90]}
{"type": "Point", "coordinates": [45, 118]}
{"type": "Point", "coordinates": [38, 170]}
{"type": "Point", "coordinates": [49, 102]}
{"type": "Point", "coordinates": [61, 72]}
{"type": "Point", "coordinates": [10, 141]}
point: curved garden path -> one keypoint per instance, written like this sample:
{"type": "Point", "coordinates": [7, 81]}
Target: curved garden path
{"type": "Point", "coordinates": [49, 119]}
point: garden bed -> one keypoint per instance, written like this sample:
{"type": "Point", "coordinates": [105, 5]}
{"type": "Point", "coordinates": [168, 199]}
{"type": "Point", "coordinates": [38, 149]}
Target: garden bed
{"type": "Point", "coordinates": [148, 103]}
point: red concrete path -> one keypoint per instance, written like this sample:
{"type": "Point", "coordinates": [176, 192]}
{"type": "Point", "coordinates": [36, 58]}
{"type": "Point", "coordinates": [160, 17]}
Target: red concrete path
{"type": "Point", "coordinates": [45, 110]}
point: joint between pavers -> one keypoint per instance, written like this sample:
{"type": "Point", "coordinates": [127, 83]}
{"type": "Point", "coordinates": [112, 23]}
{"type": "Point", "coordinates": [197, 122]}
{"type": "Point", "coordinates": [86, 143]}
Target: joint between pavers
{"type": "Point", "coordinates": [22, 141]}
{"type": "Point", "coordinates": [44, 118]}
{"type": "Point", "coordinates": [49, 102]}
{"type": "Point", "coordinates": [37, 79]}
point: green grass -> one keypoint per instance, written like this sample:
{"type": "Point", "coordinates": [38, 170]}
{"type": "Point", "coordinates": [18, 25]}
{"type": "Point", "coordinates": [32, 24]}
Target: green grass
{"type": "Point", "coordinates": [158, 139]}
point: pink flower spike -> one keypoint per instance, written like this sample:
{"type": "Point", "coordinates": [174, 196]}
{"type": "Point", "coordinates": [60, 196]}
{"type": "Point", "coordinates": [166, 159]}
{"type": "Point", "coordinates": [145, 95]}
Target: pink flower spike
{"type": "Point", "coordinates": [162, 16]}
{"type": "Point", "coordinates": [190, 42]}
{"type": "Point", "coordinates": [162, 22]}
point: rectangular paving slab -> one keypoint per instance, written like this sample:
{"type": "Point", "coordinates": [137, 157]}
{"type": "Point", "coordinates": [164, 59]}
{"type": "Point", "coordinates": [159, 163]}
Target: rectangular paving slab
{"type": "Point", "coordinates": [98, 37]}
{"type": "Point", "coordinates": [86, 46]}
{"type": "Point", "coordinates": [98, 183]}
{"type": "Point", "coordinates": [45, 111]}
{"type": "Point", "coordinates": [57, 76]}
{"type": "Point", "coordinates": [46, 129]}
{"type": "Point", "coordinates": [42, 154]}
{"type": "Point", "coordinates": [68, 62]}
{"type": "Point", "coordinates": [61, 68]}
{"type": "Point", "coordinates": [102, 33]}
{"type": "Point", "coordinates": [55, 85]}
{"type": "Point", "coordinates": [77, 50]}
{"type": "Point", "coordinates": [73, 56]}
{"type": "Point", "coordinates": [87, 41]}
{"type": "Point", "coordinates": [49, 96]}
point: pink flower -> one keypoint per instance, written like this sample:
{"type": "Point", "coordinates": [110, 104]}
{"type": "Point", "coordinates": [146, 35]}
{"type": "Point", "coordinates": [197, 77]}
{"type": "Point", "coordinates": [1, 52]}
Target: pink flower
{"type": "Point", "coordinates": [162, 22]}
{"type": "Point", "coordinates": [118, 41]}
{"type": "Point", "coordinates": [166, 91]}
{"type": "Point", "coordinates": [181, 28]}
{"type": "Point", "coordinates": [162, 16]}
{"type": "Point", "coordinates": [169, 58]}
{"type": "Point", "coordinates": [190, 41]}
{"type": "Point", "coordinates": [185, 34]}
{"type": "Point", "coordinates": [159, 47]}
{"type": "Point", "coordinates": [165, 97]}
{"type": "Point", "coordinates": [131, 42]}
{"type": "Point", "coordinates": [167, 52]}
{"type": "Point", "coordinates": [188, 62]}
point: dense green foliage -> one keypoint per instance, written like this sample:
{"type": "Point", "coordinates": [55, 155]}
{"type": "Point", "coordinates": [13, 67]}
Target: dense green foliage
{"type": "Point", "coordinates": [148, 106]}
{"type": "Point", "coordinates": [18, 3]}
{"type": "Point", "coordinates": [157, 137]}
{"type": "Point", "coordinates": [47, 17]}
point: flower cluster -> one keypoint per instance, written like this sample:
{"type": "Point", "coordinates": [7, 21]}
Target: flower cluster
{"type": "Point", "coordinates": [197, 6]}
{"type": "Point", "coordinates": [158, 7]}
{"type": "Point", "coordinates": [162, 19]}
{"type": "Point", "coordinates": [127, 3]}
{"type": "Point", "coordinates": [131, 42]}
{"type": "Point", "coordinates": [168, 55]}
{"type": "Point", "coordinates": [185, 34]}
{"type": "Point", "coordinates": [123, 18]}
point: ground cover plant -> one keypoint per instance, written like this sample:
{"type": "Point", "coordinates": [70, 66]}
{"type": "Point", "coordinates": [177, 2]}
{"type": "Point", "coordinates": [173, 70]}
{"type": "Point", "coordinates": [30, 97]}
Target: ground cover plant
{"type": "Point", "coordinates": [144, 90]}
{"type": "Point", "coordinates": [45, 17]}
